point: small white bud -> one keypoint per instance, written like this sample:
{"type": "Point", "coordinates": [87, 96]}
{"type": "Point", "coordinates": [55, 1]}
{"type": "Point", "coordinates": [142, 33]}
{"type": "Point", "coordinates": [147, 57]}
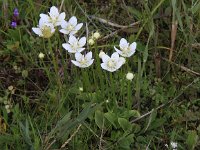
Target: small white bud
{"type": "Point", "coordinates": [91, 42]}
{"type": "Point", "coordinates": [81, 89]}
{"type": "Point", "coordinates": [107, 101]}
{"type": "Point", "coordinates": [101, 54]}
{"type": "Point", "coordinates": [7, 106]}
{"type": "Point", "coordinates": [15, 67]}
{"type": "Point", "coordinates": [174, 145]}
{"type": "Point", "coordinates": [96, 35]}
{"type": "Point", "coordinates": [41, 55]}
{"type": "Point", "coordinates": [10, 88]}
{"type": "Point", "coordinates": [129, 76]}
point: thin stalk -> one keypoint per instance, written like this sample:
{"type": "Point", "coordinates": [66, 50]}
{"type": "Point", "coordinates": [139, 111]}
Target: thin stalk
{"type": "Point", "coordinates": [138, 81]}
{"type": "Point", "coordinates": [129, 102]}
{"type": "Point", "coordinates": [54, 64]}
{"type": "Point", "coordinates": [86, 82]}
{"type": "Point", "coordinates": [112, 85]}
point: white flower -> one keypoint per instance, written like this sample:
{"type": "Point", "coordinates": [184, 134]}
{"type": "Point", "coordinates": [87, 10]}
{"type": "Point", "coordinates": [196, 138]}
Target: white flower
{"type": "Point", "coordinates": [91, 41]}
{"type": "Point", "coordinates": [126, 49]}
{"type": "Point", "coordinates": [96, 35]}
{"type": "Point", "coordinates": [174, 145]}
{"type": "Point", "coordinates": [83, 61]}
{"type": "Point", "coordinates": [101, 54]}
{"type": "Point", "coordinates": [112, 63]}
{"type": "Point", "coordinates": [166, 145]}
{"type": "Point", "coordinates": [54, 16]}
{"type": "Point", "coordinates": [129, 76]}
{"type": "Point", "coordinates": [41, 55]}
{"type": "Point", "coordinates": [45, 30]}
{"type": "Point", "coordinates": [71, 27]}
{"type": "Point", "coordinates": [74, 45]}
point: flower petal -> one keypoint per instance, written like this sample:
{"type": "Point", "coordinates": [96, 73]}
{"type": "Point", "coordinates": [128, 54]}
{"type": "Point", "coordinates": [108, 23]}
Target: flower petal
{"type": "Point", "coordinates": [76, 63]}
{"type": "Point", "coordinates": [117, 50]}
{"type": "Point", "coordinates": [61, 17]}
{"type": "Point", "coordinates": [122, 59]}
{"type": "Point", "coordinates": [64, 24]}
{"type": "Point", "coordinates": [133, 46]}
{"type": "Point", "coordinates": [119, 64]}
{"type": "Point", "coordinates": [90, 62]}
{"type": "Point", "coordinates": [78, 26]}
{"type": "Point", "coordinates": [73, 20]}
{"type": "Point", "coordinates": [73, 32]}
{"type": "Point", "coordinates": [80, 50]}
{"type": "Point", "coordinates": [37, 31]}
{"type": "Point", "coordinates": [105, 58]}
{"type": "Point", "coordinates": [88, 56]}
{"type": "Point", "coordinates": [123, 43]}
{"type": "Point", "coordinates": [115, 55]}
{"type": "Point", "coordinates": [78, 56]}
{"type": "Point", "coordinates": [53, 30]}
{"type": "Point", "coordinates": [42, 22]}
{"type": "Point", "coordinates": [82, 41]}
{"type": "Point", "coordinates": [54, 12]}
{"type": "Point", "coordinates": [104, 66]}
{"type": "Point", "coordinates": [64, 31]}
{"type": "Point", "coordinates": [44, 17]}
{"type": "Point", "coordinates": [67, 47]}
{"type": "Point", "coordinates": [72, 39]}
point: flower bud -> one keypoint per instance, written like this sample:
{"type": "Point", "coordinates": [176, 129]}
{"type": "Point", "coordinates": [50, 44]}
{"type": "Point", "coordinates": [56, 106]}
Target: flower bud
{"type": "Point", "coordinates": [101, 54]}
{"type": "Point", "coordinates": [81, 89]}
{"type": "Point", "coordinates": [130, 76]}
{"type": "Point", "coordinates": [91, 42]}
{"type": "Point", "coordinates": [41, 55]}
{"type": "Point", "coordinates": [96, 35]}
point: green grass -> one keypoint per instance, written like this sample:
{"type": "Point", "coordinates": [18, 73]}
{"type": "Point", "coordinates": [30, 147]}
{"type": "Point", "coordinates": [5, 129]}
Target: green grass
{"type": "Point", "coordinates": [48, 109]}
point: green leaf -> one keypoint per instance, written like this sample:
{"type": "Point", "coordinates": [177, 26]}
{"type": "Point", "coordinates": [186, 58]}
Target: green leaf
{"type": "Point", "coordinates": [99, 119]}
{"type": "Point", "coordinates": [157, 123]}
{"type": "Point", "coordinates": [25, 133]}
{"type": "Point", "coordinates": [65, 119]}
{"type": "Point", "coordinates": [126, 142]}
{"type": "Point", "coordinates": [192, 139]}
{"type": "Point", "coordinates": [152, 117]}
{"type": "Point", "coordinates": [135, 12]}
{"type": "Point", "coordinates": [90, 108]}
{"type": "Point", "coordinates": [136, 128]}
{"type": "Point", "coordinates": [130, 113]}
{"type": "Point", "coordinates": [125, 124]}
{"type": "Point", "coordinates": [65, 128]}
{"type": "Point", "coordinates": [111, 117]}
{"type": "Point", "coordinates": [195, 8]}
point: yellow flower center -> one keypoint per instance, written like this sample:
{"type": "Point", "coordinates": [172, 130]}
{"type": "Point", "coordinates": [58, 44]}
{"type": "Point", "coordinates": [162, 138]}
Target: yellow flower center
{"type": "Point", "coordinates": [53, 20]}
{"type": "Point", "coordinates": [70, 27]}
{"type": "Point", "coordinates": [83, 61]}
{"type": "Point", "coordinates": [46, 31]}
{"type": "Point", "coordinates": [111, 63]}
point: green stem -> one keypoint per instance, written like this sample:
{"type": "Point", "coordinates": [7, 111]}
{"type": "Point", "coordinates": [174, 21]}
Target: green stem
{"type": "Point", "coordinates": [54, 64]}
{"type": "Point", "coordinates": [138, 87]}
{"type": "Point", "coordinates": [113, 96]}
{"type": "Point", "coordinates": [86, 82]}
{"type": "Point", "coordinates": [150, 16]}
{"type": "Point", "coordinates": [129, 103]}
